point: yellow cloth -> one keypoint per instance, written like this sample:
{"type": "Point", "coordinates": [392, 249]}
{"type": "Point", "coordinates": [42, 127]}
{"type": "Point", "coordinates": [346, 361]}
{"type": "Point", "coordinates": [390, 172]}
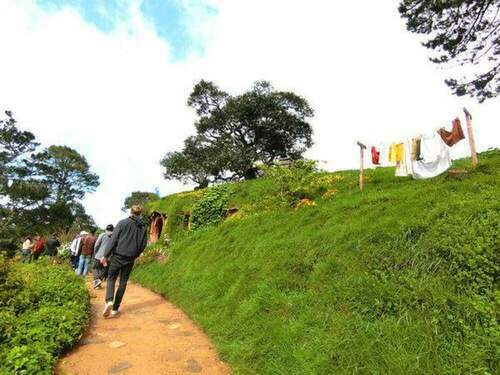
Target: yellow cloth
{"type": "Point", "coordinates": [396, 152]}
{"type": "Point", "coordinates": [392, 153]}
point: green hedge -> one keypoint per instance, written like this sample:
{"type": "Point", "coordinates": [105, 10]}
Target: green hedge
{"type": "Point", "coordinates": [43, 311]}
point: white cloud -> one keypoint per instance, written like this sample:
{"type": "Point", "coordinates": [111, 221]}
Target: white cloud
{"type": "Point", "coordinates": [118, 99]}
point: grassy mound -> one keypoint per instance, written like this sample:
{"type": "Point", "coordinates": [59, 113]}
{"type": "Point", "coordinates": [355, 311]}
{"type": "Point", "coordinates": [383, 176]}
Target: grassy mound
{"type": "Point", "coordinates": [401, 278]}
{"type": "Point", "coordinates": [43, 311]}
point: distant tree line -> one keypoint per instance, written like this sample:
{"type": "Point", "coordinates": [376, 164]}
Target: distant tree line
{"type": "Point", "coordinates": [236, 133]}
{"type": "Point", "coordinates": [40, 190]}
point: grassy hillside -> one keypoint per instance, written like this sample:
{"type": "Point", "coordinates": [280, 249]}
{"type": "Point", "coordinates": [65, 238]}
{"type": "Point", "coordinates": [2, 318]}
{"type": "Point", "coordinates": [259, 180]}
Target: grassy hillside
{"type": "Point", "coordinates": [401, 278]}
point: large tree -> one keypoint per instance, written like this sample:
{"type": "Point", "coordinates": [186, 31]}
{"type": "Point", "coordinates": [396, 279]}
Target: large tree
{"type": "Point", "coordinates": [466, 32]}
{"type": "Point", "coordinates": [234, 133]}
{"type": "Point", "coordinates": [33, 197]}
{"type": "Point", "coordinates": [21, 194]}
{"type": "Point", "coordinates": [15, 147]}
{"type": "Point", "coordinates": [65, 172]}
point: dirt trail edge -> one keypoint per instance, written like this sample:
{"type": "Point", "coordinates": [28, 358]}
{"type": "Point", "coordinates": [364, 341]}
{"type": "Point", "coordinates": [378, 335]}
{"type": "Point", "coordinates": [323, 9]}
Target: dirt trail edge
{"type": "Point", "coordinates": [150, 336]}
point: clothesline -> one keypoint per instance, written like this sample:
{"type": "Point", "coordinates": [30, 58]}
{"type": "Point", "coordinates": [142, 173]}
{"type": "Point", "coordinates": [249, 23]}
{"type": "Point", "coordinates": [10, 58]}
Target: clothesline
{"type": "Point", "coordinates": [423, 156]}
{"type": "Point", "coordinates": [396, 139]}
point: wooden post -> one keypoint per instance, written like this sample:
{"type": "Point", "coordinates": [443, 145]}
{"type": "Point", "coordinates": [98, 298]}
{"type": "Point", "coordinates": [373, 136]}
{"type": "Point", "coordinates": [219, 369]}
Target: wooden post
{"type": "Point", "coordinates": [362, 147]}
{"type": "Point", "coordinates": [472, 143]}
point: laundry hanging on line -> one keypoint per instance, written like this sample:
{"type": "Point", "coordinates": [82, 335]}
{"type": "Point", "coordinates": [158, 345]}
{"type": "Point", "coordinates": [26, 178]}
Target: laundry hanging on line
{"type": "Point", "coordinates": [453, 137]}
{"type": "Point", "coordinates": [424, 156]}
{"type": "Point", "coordinates": [396, 152]}
{"type": "Point", "coordinates": [435, 158]}
{"type": "Point", "coordinates": [375, 156]}
{"type": "Point", "coordinates": [415, 148]}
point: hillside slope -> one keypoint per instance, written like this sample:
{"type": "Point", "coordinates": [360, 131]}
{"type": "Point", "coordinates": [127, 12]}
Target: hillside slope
{"type": "Point", "coordinates": [401, 278]}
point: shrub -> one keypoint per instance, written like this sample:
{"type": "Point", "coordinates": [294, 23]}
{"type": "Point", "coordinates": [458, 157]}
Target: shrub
{"type": "Point", "coordinates": [43, 310]}
{"type": "Point", "coordinates": [293, 180]}
{"type": "Point", "coordinates": [301, 181]}
{"type": "Point", "coordinates": [211, 207]}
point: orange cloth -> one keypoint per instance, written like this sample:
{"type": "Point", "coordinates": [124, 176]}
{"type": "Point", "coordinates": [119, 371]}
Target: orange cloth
{"type": "Point", "coordinates": [453, 137]}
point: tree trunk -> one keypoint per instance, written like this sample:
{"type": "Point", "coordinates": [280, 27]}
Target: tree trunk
{"type": "Point", "coordinates": [202, 185]}
{"type": "Point", "coordinates": [251, 173]}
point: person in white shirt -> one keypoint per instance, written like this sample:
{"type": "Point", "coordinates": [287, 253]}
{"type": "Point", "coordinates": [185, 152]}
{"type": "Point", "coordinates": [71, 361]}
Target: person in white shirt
{"type": "Point", "coordinates": [75, 248]}
{"type": "Point", "coordinates": [27, 249]}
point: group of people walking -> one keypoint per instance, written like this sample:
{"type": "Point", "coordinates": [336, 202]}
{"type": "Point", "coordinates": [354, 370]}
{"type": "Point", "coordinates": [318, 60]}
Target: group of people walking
{"type": "Point", "coordinates": [32, 249]}
{"type": "Point", "coordinates": [114, 253]}
{"type": "Point", "coordinates": [86, 247]}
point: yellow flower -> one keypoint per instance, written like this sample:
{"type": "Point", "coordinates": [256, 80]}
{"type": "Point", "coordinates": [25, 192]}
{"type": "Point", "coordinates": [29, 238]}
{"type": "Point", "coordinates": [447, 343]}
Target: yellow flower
{"type": "Point", "coordinates": [305, 203]}
{"type": "Point", "coordinates": [330, 193]}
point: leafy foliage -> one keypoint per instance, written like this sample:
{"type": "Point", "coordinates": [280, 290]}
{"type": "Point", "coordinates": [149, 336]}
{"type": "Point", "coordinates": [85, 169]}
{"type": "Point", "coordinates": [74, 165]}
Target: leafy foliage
{"type": "Point", "coordinates": [235, 132]}
{"type": "Point", "coordinates": [301, 181]}
{"type": "Point", "coordinates": [211, 208]}
{"type": "Point", "coordinates": [65, 172]}
{"type": "Point", "coordinates": [43, 311]}
{"type": "Point", "coordinates": [139, 197]}
{"type": "Point", "coordinates": [463, 31]}
{"type": "Point", "coordinates": [41, 190]}
{"type": "Point", "coordinates": [401, 278]}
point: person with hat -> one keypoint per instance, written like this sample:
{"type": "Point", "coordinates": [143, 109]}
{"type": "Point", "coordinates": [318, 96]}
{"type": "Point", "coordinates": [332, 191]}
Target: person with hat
{"type": "Point", "coordinates": [87, 252]}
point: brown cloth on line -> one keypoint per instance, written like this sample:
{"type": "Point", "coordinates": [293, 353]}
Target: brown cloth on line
{"type": "Point", "coordinates": [453, 137]}
{"type": "Point", "coordinates": [415, 149]}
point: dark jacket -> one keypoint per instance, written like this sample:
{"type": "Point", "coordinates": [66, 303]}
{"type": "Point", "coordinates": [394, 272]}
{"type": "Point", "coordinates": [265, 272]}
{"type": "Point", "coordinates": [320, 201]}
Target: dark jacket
{"type": "Point", "coordinates": [52, 245]}
{"type": "Point", "coordinates": [129, 238]}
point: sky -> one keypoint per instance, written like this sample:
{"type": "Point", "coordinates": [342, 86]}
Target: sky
{"type": "Point", "coordinates": [111, 78]}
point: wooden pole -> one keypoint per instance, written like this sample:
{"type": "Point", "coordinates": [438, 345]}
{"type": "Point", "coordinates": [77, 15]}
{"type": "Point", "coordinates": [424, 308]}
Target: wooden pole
{"type": "Point", "coordinates": [362, 147]}
{"type": "Point", "coordinates": [472, 143]}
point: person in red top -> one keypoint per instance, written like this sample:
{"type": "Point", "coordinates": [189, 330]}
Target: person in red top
{"type": "Point", "coordinates": [39, 246]}
{"type": "Point", "coordinates": [88, 243]}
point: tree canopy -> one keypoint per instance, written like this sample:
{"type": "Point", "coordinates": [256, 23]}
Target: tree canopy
{"type": "Point", "coordinates": [139, 197]}
{"type": "Point", "coordinates": [466, 32]}
{"type": "Point", "coordinates": [65, 172]}
{"type": "Point", "coordinates": [233, 133]}
{"type": "Point", "coordinates": [41, 190]}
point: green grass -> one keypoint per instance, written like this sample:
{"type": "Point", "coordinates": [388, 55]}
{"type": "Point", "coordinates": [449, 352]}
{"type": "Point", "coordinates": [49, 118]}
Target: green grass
{"type": "Point", "coordinates": [401, 278]}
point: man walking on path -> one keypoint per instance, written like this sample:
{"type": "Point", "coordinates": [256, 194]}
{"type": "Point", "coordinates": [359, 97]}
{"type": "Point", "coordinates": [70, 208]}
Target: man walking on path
{"type": "Point", "coordinates": [100, 271]}
{"type": "Point", "coordinates": [88, 243]}
{"type": "Point", "coordinates": [127, 243]}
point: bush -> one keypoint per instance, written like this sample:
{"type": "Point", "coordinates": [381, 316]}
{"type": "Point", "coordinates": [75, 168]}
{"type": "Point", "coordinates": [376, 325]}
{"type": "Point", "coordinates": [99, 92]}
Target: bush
{"type": "Point", "coordinates": [43, 311]}
{"type": "Point", "coordinates": [211, 207]}
{"type": "Point", "coordinates": [301, 181]}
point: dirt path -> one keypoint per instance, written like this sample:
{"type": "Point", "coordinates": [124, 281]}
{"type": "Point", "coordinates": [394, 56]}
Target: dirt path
{"type": "Point", "coordinates": [151, 336]}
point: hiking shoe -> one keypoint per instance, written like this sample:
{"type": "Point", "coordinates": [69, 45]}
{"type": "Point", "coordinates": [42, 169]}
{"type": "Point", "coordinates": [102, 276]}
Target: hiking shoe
{"type": "Point", "coordinates": [107, 309]}
{"type": "Point", "coordinates": [115, 313]}
{"type": "Point", "coordinates": [97, 284]}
